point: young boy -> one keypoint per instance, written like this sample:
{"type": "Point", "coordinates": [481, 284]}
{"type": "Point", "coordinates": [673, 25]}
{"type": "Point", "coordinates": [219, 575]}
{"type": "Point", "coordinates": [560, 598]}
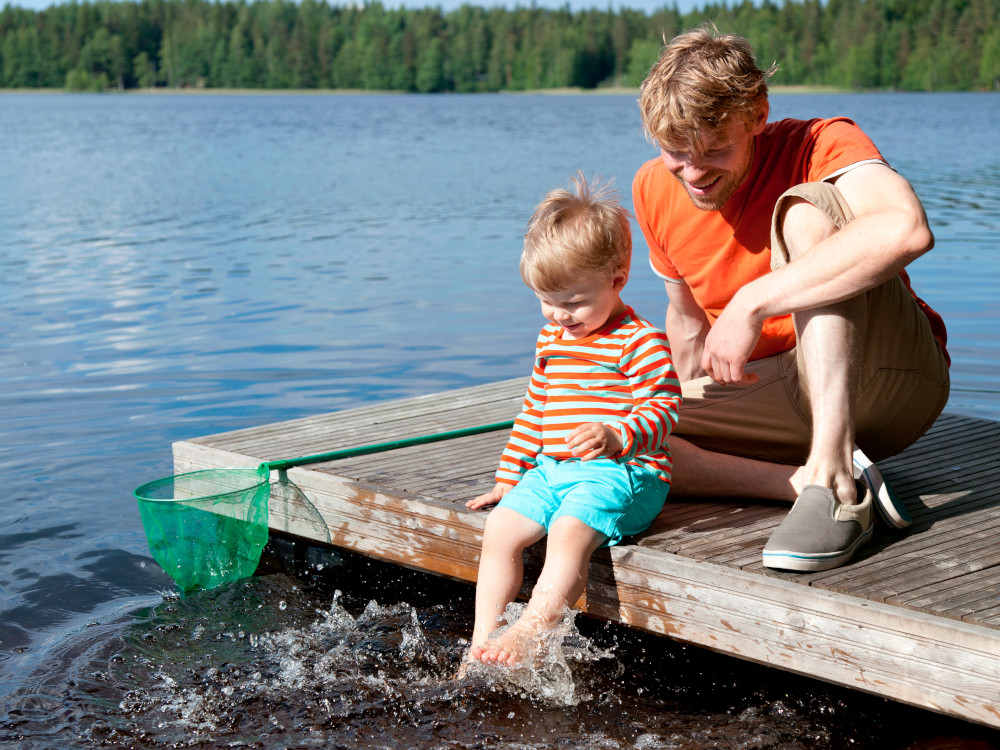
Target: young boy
{"type": "Point", "coordinates": [587, 462]}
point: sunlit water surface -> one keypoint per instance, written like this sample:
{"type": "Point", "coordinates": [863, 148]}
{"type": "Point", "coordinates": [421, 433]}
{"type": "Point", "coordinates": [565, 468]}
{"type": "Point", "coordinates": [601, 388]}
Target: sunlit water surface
{"type": "Point", "coordinates": [178, 266]}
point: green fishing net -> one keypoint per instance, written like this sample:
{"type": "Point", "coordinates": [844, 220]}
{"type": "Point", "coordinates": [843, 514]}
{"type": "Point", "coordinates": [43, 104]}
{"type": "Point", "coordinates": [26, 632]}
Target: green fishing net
{"type": "Point", "coordinates": [207, 528]}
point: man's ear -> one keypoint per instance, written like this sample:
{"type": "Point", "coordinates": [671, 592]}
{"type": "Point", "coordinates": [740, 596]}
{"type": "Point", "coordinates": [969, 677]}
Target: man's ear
{"type": "Point", "coordinates": [759, 118]}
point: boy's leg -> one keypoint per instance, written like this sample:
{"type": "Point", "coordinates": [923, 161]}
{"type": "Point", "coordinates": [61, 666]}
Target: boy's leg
{"type": "Point", "coordinates": [562, 580]}
{"type": "Point", "coordinates": [501, 567]}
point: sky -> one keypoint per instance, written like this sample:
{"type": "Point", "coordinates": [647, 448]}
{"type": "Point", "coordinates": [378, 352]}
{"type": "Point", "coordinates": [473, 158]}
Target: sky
{"type": "Point", "coordinates": [645, 5]}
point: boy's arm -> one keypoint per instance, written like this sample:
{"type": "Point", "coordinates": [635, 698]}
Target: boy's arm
{"type": "Point", "coordinates": [656, 392]}
{"type": "Point", "coordinates": [525, 442]}
{"type": "Point", "coordinates": [522, 450]}
{"type": "Point", "coordinates": [492, 497]}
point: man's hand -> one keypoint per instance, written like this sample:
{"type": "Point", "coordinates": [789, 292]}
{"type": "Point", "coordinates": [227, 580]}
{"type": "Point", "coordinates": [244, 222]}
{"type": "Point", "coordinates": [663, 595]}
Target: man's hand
{"type": "Point", "coordinates": [492, 497]}
{"type": "Point", "coordinates": [729, 345]}
{"type": "Point", "coordinates": [594, 440]}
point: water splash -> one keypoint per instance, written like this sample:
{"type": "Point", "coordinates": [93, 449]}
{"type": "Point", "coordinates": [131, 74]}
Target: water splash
{"type": "Point", "coordinates": [304, 669]}
{"type": "Point", "coordinates": [230, 668]}
{"type": "Point", "coordinates": [557, 673]}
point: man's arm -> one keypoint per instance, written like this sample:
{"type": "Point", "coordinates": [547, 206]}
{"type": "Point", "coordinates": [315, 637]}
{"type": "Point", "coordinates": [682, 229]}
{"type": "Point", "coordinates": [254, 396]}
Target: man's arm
{"type": "Point", "coordinates": [888, 232]}
{"type": "Point", "coordinates": [686, 327]}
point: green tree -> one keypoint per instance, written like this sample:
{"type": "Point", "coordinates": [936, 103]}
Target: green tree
{"type": "Point", "coordinates": [989, 64]}
{"type": "Point", "coordinates": [430, 67]}
{"type": "Point", "coordinates": [913, 44]}
{"type": "Point", "coordinates": [144, 71]}
{"type": "Point", "coordinates": [641, 57]}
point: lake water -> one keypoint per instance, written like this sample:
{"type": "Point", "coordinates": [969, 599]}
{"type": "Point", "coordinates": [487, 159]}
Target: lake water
{"type": "Point", "coordinates": [175, 266]}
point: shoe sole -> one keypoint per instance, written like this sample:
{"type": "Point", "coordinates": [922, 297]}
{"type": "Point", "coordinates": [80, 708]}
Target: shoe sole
{"type": "Point", "coordinates": [889, 508]}
{"type": "Point", "coordinates": [813, 562]}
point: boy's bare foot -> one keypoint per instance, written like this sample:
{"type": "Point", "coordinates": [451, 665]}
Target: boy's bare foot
{"type": "Point", "coordinates": [510, 648]}
{"type": "Point", "coordinates": [463, 668]}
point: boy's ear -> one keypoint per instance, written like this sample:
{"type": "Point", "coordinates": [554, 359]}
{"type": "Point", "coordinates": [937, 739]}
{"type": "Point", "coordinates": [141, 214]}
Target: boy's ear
{"type": "Point", "coordinates": [619, 280]}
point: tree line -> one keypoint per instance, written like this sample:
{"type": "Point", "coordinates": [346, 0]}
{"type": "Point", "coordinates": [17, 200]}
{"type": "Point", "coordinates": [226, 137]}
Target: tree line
{"type": "Point", "coordinates": [916, 45]}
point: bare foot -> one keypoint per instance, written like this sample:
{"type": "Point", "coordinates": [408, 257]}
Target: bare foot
{"type": "Point", "coordinates": [510, 648]}
{"type": "Point", "coordinates": [463, 668]}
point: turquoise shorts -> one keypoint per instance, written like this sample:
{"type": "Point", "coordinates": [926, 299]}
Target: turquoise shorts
{"type": "Point", "coordinates": [615, 499]}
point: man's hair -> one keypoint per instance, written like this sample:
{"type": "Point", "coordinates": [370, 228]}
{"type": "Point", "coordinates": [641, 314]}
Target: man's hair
{"type": "Point", "coordinates": [574, 233]}
{"type": "Point", "coordinates": [701, 78]}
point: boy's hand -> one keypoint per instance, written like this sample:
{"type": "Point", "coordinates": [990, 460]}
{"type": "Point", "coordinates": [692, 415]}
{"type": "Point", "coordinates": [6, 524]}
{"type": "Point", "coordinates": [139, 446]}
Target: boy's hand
{"type": "Point", "coordinates": [490, 498]}
{"type": "Point", "coordinates": [594, 440]}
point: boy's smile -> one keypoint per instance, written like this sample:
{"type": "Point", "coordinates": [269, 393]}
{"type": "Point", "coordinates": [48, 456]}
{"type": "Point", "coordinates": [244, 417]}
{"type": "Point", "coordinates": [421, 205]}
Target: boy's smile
{"type": "Point", "coordinates": [585, 306]}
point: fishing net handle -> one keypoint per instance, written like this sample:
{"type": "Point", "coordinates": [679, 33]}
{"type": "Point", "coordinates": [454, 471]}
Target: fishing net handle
{"type": "Point", "coordinates": [361, 450]}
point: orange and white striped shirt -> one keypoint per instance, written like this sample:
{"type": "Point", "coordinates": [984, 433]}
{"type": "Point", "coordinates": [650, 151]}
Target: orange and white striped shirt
{"type": "Point", "coordinates": [621, 375]}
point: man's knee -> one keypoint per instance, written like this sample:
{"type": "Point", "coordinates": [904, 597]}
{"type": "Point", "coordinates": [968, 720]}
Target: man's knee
{"type": "Point", "coordinates": [803, 227]}
{"type": "Point", "coordinates": [804, 216]}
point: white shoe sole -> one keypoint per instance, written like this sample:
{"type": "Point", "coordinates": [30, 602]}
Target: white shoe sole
{"type": "Point", "coordinates": [888, 506]}
{"type": "Point", "coordinates": [814, 562]}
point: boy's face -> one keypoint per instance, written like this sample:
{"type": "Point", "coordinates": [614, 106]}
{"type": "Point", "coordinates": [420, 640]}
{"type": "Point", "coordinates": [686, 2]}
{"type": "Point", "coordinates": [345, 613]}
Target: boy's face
{"type": "Point", "coordinates": [714, 171]}
{"type": "Point", "coordinates": [586, 305]}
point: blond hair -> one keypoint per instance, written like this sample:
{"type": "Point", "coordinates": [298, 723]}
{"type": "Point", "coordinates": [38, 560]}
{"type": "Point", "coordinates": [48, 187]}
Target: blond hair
{"type": "Point", "coordinates": [574, 233]}
{"type": "Point", "coordinates": [701, 78]}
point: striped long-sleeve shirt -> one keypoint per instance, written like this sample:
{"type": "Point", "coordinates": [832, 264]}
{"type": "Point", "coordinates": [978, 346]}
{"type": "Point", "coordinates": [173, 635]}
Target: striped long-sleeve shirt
{"type": "Point", "coordinates": [621, 375]}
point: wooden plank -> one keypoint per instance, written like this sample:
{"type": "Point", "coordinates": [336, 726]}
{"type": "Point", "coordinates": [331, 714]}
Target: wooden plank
{"type": "Point", "coordinates": [691, 541]}
{"type": "Point", "coordinates": [974, 592]}
{"type": "Point", "coordinates": [914, 618]}
{"type": "Point", "coordinates": [896, 558]}
{"type": "Point", "coordinates": [321, 432]}
{"type": "Point", "coordinates": [845, 640]}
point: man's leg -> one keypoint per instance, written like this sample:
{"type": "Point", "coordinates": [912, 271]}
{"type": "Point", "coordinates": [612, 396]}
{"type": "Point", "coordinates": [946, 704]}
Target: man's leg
{"type": "Point", "coordinates": [741, 441]}
{"type": "Point", "coordinates": [868, 366]}
{"type": "Point", "coordinates": [698, 472]}
{"type": "Point", "coordinates": [829, 520]}
{"type": "Point", "coordinates": [870, 372]}
{"type": "Point", "coordinates": [869, 360]}
{"type": "Point", "coordinates": [828, 357]}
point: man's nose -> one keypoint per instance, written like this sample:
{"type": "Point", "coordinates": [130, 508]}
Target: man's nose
{"type": "Point", "coordinates": [694, 169]}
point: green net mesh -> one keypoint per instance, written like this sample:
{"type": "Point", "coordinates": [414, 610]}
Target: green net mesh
{"type": "Point", "coordinates": [208, 527]}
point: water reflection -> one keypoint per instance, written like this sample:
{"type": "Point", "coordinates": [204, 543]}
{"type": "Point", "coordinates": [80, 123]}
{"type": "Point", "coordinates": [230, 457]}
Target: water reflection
{"type": "Point", "coordinates": [288, 661]}
{"type": "Point", "coordinates": [178, 266]}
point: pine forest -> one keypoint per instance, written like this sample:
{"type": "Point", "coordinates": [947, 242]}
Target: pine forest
{"type": "Point", "coordinates": [912, 45]}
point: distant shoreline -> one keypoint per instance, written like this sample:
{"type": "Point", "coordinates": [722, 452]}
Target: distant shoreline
{"type": "Point", "coordinates": [600, 91]}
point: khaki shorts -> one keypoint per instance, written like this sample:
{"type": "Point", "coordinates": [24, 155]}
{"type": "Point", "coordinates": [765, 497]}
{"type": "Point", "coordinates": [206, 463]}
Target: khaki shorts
{"type": "Point", "coordinates": [903, 382]}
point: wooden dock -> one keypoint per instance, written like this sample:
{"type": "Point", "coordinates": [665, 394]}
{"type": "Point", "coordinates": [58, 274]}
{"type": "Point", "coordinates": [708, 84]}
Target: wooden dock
{"type": "Point", "coordinates": [914, 617]}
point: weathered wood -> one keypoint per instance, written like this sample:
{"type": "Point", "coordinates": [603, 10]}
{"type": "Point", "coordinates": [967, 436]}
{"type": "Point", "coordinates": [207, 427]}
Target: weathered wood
{"type": "Point", "coordinates": [915, 617]}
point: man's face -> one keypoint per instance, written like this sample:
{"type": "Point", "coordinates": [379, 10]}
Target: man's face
{"type": "Point", "coordinates": [712, 172]}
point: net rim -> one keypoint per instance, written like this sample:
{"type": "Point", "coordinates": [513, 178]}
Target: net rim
{"type": "Point", "coordinates": [262, 479]}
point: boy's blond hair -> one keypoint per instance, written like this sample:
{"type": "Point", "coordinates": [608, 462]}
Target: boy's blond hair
{"type": "Point", "coordinates": [702, 78]}
{"type": "Point", "coordinates": [574, 233]}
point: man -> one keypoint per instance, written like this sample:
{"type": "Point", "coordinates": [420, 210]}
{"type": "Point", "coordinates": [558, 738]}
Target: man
{"type": "Point", "coordinates": [800, 345]}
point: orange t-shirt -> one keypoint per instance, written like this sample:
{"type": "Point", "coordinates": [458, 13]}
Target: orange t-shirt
{"type": "Point", "coordinates": [717, 252]}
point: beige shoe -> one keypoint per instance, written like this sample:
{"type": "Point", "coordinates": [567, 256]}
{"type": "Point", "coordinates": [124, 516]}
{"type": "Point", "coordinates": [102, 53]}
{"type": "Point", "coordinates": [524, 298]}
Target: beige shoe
{"type": "Point", "coordinates": [820, 533]}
